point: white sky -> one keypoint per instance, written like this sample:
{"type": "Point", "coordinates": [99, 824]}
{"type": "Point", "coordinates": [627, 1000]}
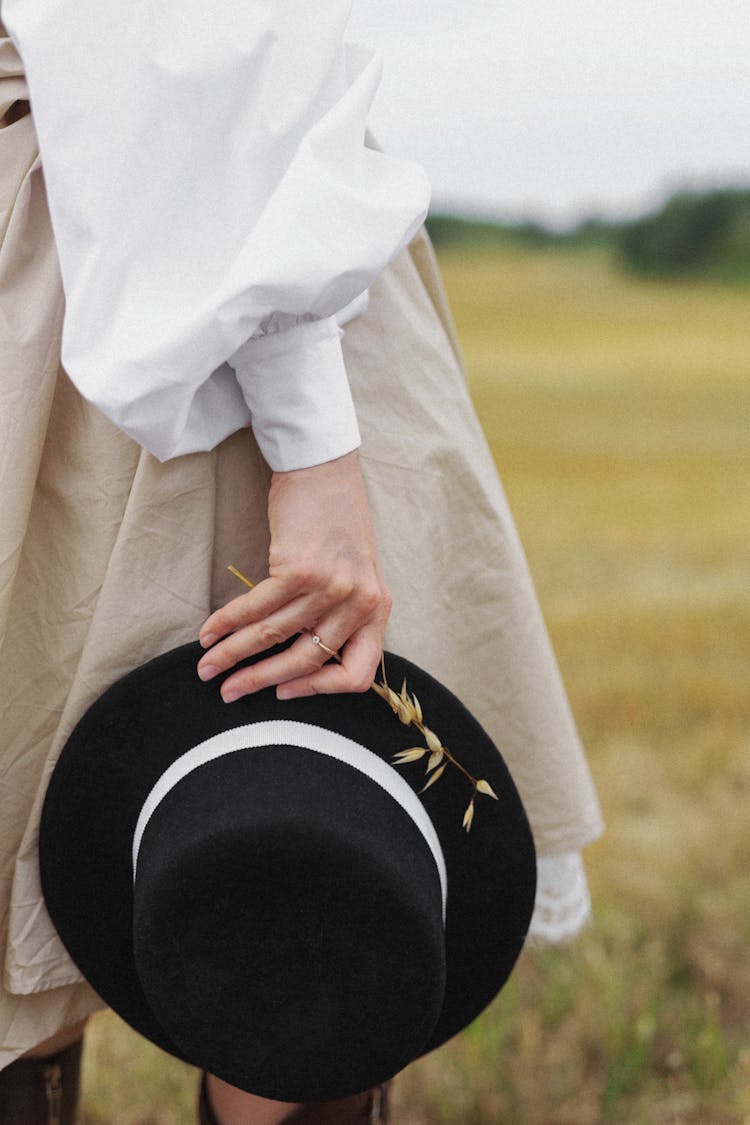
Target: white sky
{"type": "Point", "coordinates": [557, 110]}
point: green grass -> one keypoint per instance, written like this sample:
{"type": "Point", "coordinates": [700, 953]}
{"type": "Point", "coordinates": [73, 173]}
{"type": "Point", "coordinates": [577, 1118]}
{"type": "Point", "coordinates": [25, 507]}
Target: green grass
{"type": "Point", "coordinates": [619, 415]}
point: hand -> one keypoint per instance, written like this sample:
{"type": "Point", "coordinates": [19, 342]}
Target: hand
{"type": "Point", "coordinates": [324, 577]}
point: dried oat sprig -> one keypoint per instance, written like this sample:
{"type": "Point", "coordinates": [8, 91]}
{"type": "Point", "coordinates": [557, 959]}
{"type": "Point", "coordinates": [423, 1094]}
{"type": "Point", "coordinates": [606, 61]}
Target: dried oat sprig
{"type": "Point", "coordinates": [241, 576]}
{"type": "Point", "coordinates": [409, 711]}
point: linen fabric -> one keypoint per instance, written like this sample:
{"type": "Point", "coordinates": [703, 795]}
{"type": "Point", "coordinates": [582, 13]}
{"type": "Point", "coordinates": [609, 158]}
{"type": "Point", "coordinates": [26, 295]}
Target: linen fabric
{"type": "Point", "coordinates": [209, 184]}
{"type": "Point", "coordinates": [109, 557]}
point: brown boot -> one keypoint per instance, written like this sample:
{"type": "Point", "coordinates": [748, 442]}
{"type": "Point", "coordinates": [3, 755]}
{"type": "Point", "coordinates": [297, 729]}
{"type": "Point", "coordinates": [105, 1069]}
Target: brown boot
{"type": "Point", "coordinates": [41, 1091]}
{"type": "Point", "coordinates": [205, 1113]}
{"type": "Point", "coordinates": [370, 1108]}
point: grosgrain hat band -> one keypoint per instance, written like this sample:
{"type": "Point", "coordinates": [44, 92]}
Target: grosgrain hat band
{"type": "Point", "coordinates": [306, 736]}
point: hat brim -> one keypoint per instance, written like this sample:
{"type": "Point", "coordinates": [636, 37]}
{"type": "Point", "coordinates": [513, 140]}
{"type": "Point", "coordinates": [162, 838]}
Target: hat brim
{"type": "Point", "coordinates": [133, 733]}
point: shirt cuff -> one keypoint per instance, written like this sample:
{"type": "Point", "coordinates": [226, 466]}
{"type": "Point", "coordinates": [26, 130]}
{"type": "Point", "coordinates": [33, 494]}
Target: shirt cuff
{"type": "Point", "coordinates": [295, 384]}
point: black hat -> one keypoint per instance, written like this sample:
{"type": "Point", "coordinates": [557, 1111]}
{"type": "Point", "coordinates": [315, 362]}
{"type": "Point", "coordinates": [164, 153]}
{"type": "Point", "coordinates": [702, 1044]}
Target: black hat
{"type": "Point", "coordinates": [262, 891]}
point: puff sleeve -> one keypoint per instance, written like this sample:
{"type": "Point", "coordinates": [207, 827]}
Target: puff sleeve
{"type": "Point", "coordinates": [216, 211]}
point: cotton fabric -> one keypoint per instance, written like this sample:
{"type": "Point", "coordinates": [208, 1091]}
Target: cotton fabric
{"type": "Point", "coordinates": [209, 183]}
{"type": "Point", "coordinates": [109, 557]}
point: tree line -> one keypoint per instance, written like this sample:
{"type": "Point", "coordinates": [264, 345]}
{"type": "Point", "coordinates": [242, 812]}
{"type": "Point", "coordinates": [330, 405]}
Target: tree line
{"type": "Point", "coordinates": [692, 234]}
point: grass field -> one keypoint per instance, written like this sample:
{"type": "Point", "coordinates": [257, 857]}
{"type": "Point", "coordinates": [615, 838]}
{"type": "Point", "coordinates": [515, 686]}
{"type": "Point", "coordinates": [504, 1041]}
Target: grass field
{"type": "Point", "coordinates": [619, 415]}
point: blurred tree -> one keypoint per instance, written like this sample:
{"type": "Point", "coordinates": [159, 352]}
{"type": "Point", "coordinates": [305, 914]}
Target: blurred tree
{"type": "Point", "coordinates": [694, 233]}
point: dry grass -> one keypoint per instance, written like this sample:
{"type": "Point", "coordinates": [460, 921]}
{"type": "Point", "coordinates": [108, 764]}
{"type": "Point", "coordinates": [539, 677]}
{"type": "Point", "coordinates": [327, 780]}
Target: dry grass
{"type": "Point", "coordinates": [619, 414]}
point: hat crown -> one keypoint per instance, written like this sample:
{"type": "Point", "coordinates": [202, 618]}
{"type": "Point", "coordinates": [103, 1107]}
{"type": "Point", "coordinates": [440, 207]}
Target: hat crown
{"type": "Point", "coordinates": [307, 913]}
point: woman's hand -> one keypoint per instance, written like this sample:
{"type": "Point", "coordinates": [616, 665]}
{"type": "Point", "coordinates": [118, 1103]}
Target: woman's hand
{"type": "Point", "coordinates": [324, 577]}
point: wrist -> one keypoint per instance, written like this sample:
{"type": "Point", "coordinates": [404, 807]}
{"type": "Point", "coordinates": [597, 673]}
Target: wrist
{"type": "Point", "coordinates": [346, 464]}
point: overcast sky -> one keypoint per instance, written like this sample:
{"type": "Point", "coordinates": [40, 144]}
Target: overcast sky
{"type": "Point", "coordinates": [557, 109]}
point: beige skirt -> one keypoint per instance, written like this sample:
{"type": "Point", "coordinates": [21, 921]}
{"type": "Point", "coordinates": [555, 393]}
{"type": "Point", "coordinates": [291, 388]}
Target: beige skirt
{"type": "Point", "coordinates": [108, 557]}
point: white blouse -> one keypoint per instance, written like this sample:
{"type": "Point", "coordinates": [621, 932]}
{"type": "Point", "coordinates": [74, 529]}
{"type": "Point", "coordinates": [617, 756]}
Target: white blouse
{"type": "Point", "coordinates": [216, 211]}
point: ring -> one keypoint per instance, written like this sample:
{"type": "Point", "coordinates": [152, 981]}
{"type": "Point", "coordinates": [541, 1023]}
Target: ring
{"type": "Point", "coordinates": [317, 641]}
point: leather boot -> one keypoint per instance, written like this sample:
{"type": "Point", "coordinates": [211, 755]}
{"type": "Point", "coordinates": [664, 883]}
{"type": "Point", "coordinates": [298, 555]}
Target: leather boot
{"type": "Point", "coordinates": [41, 1091]}
{"type": "Point", "coordinates": [370, 1108]}
{"type": "Point", "coordinates": [205, 1112]}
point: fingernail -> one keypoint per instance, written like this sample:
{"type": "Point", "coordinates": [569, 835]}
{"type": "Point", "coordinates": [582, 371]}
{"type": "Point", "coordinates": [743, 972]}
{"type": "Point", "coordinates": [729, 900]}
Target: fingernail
{"type": "Point", "coordinates": [208, 671]}
{"type": "Point", "coordinates": [283, 692]}
{"type": "Point", "coordinates": [208, 639]}
{"type": "Point", "coordinates": [230, 696]}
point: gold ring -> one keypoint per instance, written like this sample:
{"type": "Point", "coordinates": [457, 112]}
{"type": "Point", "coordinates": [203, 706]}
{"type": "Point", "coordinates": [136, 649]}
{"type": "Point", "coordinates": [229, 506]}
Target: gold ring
{"type": "Point", "coordinates": [317, 641]}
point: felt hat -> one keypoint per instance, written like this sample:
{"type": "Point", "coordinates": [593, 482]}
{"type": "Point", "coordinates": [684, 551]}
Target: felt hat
{"type": "Point", "coordinates": [262, 890]}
